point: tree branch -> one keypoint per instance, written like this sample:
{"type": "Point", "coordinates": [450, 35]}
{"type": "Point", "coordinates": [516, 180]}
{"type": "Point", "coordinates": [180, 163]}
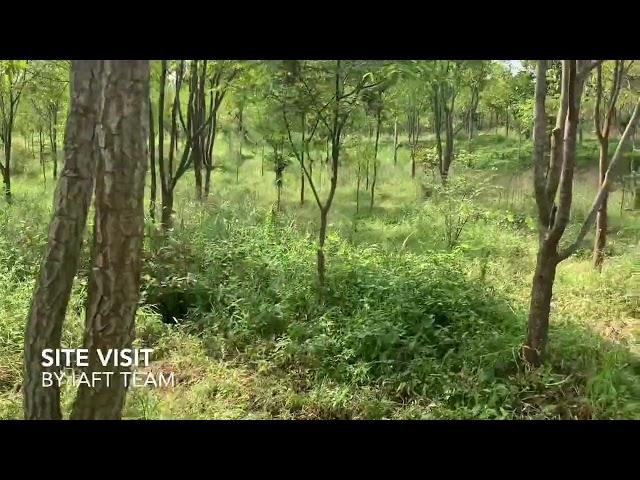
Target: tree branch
{"type": "Point", "coordinates": [604, 188]}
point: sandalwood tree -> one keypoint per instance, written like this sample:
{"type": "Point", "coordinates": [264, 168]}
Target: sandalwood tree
{"type": "Point", "coordinates": [553, 177]}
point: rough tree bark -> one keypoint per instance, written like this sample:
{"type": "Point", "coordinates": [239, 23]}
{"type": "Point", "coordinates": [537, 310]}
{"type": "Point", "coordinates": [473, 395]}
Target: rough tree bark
{"type": "Point", "coordinates": [61, 255]}
{"type": "Point", "coordinates": [113, 291]}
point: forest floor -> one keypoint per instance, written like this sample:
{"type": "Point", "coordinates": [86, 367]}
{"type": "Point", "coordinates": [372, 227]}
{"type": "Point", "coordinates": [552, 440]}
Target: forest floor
{"type": "Point", "coordinates": [416, 323]}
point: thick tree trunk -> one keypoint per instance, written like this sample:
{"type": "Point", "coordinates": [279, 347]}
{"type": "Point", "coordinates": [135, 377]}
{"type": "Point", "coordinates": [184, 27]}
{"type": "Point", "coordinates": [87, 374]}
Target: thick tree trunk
{"type": "Point", "coordinates": [540, 306]}
{"type": "Point", "coordinates": [62, 253]}
{"type": "Point", "coordinates": [113, 290]}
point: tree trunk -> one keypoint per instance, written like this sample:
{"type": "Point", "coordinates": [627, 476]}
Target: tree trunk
{"type": "Point", "coordinates": [366, 169]}
{"type": "Point", "coordinates": [506, 119]}
{"type": "Point", "coordinates": [62, 253]}
{"type": "Point", "coordinates": [358, 187]}
{"type": "Point", "coordinates": [41, 148]}
{"type": "Point", "coordinates": [448, 154]}
{"type": "Point", "coordinates": [322, 237]}
{"type": "Point", "coordinates": [279, 187]}
{"type": "Point", "coordinates": [113, 291]}
{"type": "Point", "coordinates": [197, 169]}
{"type": "Point", "coordinates": [207, 181]}
{"type": "Point", "coordinates": [437, 126]}
{"type": "Point", "coordinates": [167, 208]}
{"type": "Point", "coordinates": [580, 133]}
{"type": "Point", "coordinates": [302, 186]}
{"type": "Point", "coordinates": [540, 306]}
{"type": "Point", "coordinates": [375, 159]}
{"type": "Point", "coordinates": [152, 166]}
{"type": "Point", "coordinates": [53, 139]}
{"type": "Point", "coordinates": [166, 193]}
{"type": "Point", "coordinates": [601, 218]}
{"type": "Point", "coordinates": [413, 162]}
{"type": "Point", "coordinates": [395, 141]}
{"type": "Point", "coordinates": [6, 171]}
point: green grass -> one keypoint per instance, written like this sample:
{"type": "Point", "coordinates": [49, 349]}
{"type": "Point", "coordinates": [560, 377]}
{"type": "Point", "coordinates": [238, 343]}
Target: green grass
{"type": "Point", "coordinates": [409, 328]}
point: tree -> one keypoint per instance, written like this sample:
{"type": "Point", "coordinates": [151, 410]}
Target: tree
{"type": "Point", "coordinates": [221, 76]}
{"type": "Point", "coordinates": [555, 176]}
{"type": "Point", "coordinates": [602, 128]}
{"type": "Point", "coordinates": [170, 173]}
{"type": "Point", "coordinates": [373, 100]}
{"type": "Point", "coordinates": [330, 89]}
{"type": "Point", "coordinates": [114, 284]}
{"type": "Point", "coordinates": [61, 256]}
{"type": "Point", "coordinates": [13, 78]}
{"type": "Point", "coordinates": [47, 89]}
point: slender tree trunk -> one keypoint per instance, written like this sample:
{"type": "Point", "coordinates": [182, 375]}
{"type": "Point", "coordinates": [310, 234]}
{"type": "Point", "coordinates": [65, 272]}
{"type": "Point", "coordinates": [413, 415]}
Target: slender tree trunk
{"type": "Point", "coordinates": [6, 171]}
{"type": "Point", "coordinates": [358, 187]}
{"type": "Point", "coordinates": [395, 141]}
{"type": "Point", "coordinates": [580, 133]}
{"type": "Point", "coordinates": [42, 165]}
{"type": "Point", "coordinates": [302, 185]}
{"type": "Point", "coordinates": [375, 159]}
{"type": "Point", "coordinates": [322, 237]}
{"type": "Point", "coordinates": [413, 162]}
{"type": "Point", "coordinates": [437, 127]}
{"type": "Point", "coordinates": [152, 166]}
{"type": "Point", "coordinates": [62, 253]}
{"type": "Point", "coordinates": [366, 170]}
{"type": "Point", "coordinates": [601, 217]}
{"type": "Point", "coordinates": [279, 185]}
{"type": "Point", "coordinates": [53, 140]}
{"type": "Point", "coordinates": [302, 150]}
{"type": "Point", "coordinates": [113, 291]}
{"type": "Point", "coordinates": [506, 120]}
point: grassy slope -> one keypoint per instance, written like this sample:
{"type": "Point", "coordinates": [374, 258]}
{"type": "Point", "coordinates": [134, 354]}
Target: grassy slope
{"type": "Point", "coordinates": [408, 330]}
